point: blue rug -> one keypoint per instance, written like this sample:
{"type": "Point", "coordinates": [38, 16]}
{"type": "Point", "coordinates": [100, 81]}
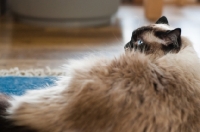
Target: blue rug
{"type": "Point", "coordinates": [13, 85]}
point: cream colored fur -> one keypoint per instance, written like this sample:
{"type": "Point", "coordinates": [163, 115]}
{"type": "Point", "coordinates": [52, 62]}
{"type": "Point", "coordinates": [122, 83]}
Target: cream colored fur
{"type": "Point", "coordinates": [129, 93]}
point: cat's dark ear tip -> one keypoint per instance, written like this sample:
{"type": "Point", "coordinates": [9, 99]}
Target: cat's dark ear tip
{"type": "Point", "coordinates": [162, 20]}
{"type": "Point", "coordinates": [163, 17]}
{"type": "Point", "coordinates": [177, 31]}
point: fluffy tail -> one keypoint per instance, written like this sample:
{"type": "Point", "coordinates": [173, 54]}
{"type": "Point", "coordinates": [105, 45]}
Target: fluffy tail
{"type": "Point", "coordinates": [7, 125]}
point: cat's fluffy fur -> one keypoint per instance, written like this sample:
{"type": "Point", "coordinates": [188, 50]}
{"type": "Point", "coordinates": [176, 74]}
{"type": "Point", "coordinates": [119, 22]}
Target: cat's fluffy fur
{"type": "Point", "coordinates": [132, 92]}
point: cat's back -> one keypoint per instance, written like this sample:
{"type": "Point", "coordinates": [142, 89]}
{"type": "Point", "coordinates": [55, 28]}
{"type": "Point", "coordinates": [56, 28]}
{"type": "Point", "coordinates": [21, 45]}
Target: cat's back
{"type": "Point", "coordinates": [132, 93]}
{"type": "Point", "coordinates": [128, 93]}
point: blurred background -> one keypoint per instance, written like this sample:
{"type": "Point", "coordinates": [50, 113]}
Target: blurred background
{"type": "Point", "coordinates": [46, 33]}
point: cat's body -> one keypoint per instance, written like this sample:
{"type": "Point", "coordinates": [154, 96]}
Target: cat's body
{"type": "Point", "coordinates": [134, 92]}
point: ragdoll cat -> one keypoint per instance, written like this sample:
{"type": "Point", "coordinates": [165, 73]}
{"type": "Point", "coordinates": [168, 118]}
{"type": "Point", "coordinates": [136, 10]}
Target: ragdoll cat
{"type": "Point", "coordinates": [153, 87]}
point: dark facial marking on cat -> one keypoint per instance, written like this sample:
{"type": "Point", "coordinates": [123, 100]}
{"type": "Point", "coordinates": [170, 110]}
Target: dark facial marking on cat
{"type": "Point", "coordinates": [128, 46]}
{"type": "Point", "coordinates": [161, 34]}
{"type": "Point", "coordinates": [142, 48]}
{"type": "Point", "coordinates": [138, 32]}
{"type": "Point", "coordinates": [169, 48]}
{"type": "Point", "coordinates": [137, 35]}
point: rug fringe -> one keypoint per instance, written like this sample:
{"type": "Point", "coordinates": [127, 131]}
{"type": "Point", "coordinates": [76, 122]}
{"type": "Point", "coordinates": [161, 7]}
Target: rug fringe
{"type": "Point", "coordinates": [32, 72]}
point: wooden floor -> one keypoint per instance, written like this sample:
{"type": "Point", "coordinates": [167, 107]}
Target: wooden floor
{"type": "Point", "coordinates": [27, 46]}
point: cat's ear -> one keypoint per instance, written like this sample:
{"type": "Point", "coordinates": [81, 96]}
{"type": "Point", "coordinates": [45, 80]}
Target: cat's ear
{"type": "Point", "coordinates": [174, 37]}
{"type": "Point", "coordinates": [162, 20]}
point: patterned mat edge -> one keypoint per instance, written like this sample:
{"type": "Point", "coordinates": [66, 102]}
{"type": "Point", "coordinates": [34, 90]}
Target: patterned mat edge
{"type": "Point", "coordinates": [32, 72]}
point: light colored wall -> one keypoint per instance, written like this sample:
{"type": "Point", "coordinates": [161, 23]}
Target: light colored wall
{"type": "Point", "coordinates": [173, 1]}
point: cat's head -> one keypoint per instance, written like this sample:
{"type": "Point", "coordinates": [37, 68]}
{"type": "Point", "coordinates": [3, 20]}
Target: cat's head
{"type": "Point", "coordinates": [158, 39]}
